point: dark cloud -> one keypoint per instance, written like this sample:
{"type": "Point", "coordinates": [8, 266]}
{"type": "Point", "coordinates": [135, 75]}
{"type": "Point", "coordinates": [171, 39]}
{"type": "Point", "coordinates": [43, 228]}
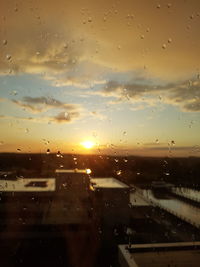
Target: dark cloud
{"type": "Point", "coordinates": [62, 117]}
{"type": "Point", "coordinates": [40, 104]}
{"type": "Point", "coordinates": [68, 112]}
{"type": "Point", "coordinates": [65, 117]}
{"type": "Point", "coordinates": [185, 95]}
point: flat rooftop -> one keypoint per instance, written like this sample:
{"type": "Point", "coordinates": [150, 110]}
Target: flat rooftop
{"type": "Point", "coordinates": [28, 185]}
{"type": "Point", "coordinates": [107, 183]}
{"type": "Point", "coordinates": [86, 171]}
{"type": "Point", "coordinates": [169, 257]}
{"type": "Point", "coordinates": [138, 200]}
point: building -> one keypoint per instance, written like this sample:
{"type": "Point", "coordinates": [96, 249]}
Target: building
{"type": "Point", "coordinates": [111, 201]}
{"type": "Point", "coordinates": [72, 179]}
{"type": "Point", "coordinates": [181, 254]}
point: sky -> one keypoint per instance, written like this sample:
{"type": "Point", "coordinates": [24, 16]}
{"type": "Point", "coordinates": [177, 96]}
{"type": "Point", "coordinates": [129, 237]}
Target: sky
{"type": "Point", "coordinates": [122, 74]}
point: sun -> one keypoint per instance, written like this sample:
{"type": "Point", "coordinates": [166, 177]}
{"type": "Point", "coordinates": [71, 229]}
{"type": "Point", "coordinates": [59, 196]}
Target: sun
{"type": "Point", "coordinates": [87, 144]}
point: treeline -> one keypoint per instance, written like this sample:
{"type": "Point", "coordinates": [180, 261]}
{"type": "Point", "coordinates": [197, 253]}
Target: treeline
{"type": "Point", "coordinates": [131, 169]}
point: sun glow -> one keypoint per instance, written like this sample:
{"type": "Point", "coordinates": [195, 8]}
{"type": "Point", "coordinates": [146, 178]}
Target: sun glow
{"type": "Point", "coordinates": [87, 144]}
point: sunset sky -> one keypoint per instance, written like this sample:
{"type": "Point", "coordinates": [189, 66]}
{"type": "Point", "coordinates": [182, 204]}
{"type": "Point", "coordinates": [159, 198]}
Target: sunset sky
{"type": "Point", "coordinates": [122, 74]}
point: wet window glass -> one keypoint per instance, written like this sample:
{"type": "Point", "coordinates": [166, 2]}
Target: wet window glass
{"type": "Point", "coordinates": [99, 139]}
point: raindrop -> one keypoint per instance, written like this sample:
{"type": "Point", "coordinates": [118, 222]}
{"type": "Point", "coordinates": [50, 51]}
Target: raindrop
{"type": "Point", "coordinates": [5, 42]}
{"type": "Point", "coordinates": [14, 92]}
{"type": "Point", "coordinates": [169, 40]}
{"type": "Point", "coordinates": [164, 46]}
{"type": "Point", "coordinates": [58, 154]}
{"type": "Point", "coordinates": [48, 151]}
{"type": "Point", "coordinates": [172, 142]}
{"type": "Point", "coordinates": [157, 141]}
{"type": "Point", "coordinates": [37, 53]}
{"type": "Point", "coordinates": [192, 16]}
{"type": "Point", "coordinates": [124, 133]}
{"type": "Point", "coordinates": [89, 19]}
{"type": "Point", "coordinates": [116, 232]}
{"type": "Point", "coordinates": [141, 36]}
{"type": "Point", "coordinates": [116, 160]}
{"type": "Point", "coordinates": [65, 46]}
{"type": "Point", "coordinates": [158, 6]}
{"type": "Point", "coordinates": [18, 150]}
{"type": "Point", "coordinates": [119, 172]}
{"type": "Point", "coordinates": [169, 5]}
{"type": "Point", "coordinates": [119, 47]}
{"type": "Point", "coordinates": [64, 185]}
{"type": "Point", "coordinates": [8, 57]}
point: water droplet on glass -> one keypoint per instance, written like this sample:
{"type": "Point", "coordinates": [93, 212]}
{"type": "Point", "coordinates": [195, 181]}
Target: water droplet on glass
{"type": "Point", "coordinates": [5, 42]}
{"type": "Point", "coordinates": [58, 154]}
{"type": "Point", "coordinates": [141, 36]}
{"type": "Point", "coordinates": [48, 151]}
{"type": "Point", "coordinates": [65, 46]}
{"type": "Point", "coordinates": [157, 141]}
{"type": "Point", "coordinates": [119, 172]}
{"type": "Point", "coordinates": [172, 142]}
{"type": "Point", "coordinates": [164, 46]}
{"type": "Point", "coordinates": [14, 92]}
{"type": "Point", "coordinates": [89, 19]}
{"type": "Point", "coordinates": [158, 6]}
{"type": "Point", "coordinates": [8, 57]}
{"type": "Point", "coordinates": [169, 40]}
{"type": "Point", "coordinates": [18, 150]}
{"type": "Point", "coordinates": [169, 5]}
